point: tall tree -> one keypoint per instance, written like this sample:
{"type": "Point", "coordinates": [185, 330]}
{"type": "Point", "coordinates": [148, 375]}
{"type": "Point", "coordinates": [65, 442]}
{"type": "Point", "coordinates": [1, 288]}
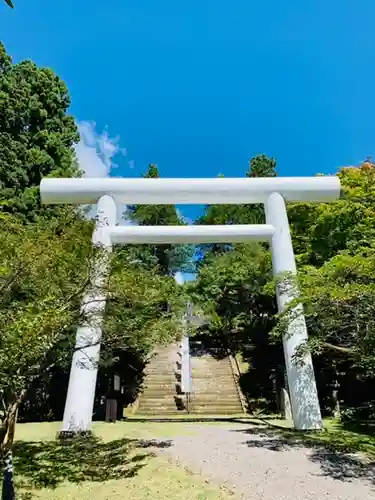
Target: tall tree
{"type": "Point", "coordinates": [36, 133]}
{"type": "Point", "coordinates": [259, 166]}
{"type": "Point", "coordinates": [169, 258]}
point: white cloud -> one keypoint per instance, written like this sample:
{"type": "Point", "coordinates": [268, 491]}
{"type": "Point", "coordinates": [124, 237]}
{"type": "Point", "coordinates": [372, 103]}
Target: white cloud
{"type": "Point", "coordinates": [95, 153]}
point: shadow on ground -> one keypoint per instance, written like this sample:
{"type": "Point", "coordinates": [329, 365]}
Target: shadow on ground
{"type": "Point", "coordinates": [193, 419]}
{"type": "Point", "coordinates": [47, 464]}
{"type": "Point", "coordinates": [338, 464]}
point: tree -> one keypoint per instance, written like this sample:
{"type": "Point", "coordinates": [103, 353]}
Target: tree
{"type": "Point", "coordinates": [259, 166]}
{"type": "Point", "coordinates": [36, 134]}
{"type": "Point", "coordinates": [322, 230]}
{"type": "Point", "coordinates": [231, 289]}
{"type": "Point", "coordinates": [335, 246]}
{"type": "Point", "coordinates": [169, 258]}
{"type": "Point", "coordinates": [45, 270]}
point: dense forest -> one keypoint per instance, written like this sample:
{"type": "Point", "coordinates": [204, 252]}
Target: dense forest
{"type": "Point", "coordinates": [335, 252]}
{"type": "Point", "coordinates": [46, 267]}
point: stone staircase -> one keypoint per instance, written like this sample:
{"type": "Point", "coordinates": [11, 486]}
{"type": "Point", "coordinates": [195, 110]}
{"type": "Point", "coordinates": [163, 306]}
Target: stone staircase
{"type": "Point", "coordinates": [215, 391]}
{"type": "Point", "coordinates": [160, 394]}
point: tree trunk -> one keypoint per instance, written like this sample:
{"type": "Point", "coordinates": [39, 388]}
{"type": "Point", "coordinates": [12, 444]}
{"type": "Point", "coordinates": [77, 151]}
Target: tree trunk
{"type": "Point", "coordinates": [7, 431]}
{"type": "Point", "coordinates": [8, 492]}
{"type": "Point", "coordinates": [336, 410]}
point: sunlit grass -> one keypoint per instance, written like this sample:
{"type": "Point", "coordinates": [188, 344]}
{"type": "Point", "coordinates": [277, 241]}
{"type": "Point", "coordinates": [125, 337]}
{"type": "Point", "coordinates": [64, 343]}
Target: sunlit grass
{"type": "Point", "coordinates": [117, 463]}
{"type": "Point", "coordinates": [336, 436]}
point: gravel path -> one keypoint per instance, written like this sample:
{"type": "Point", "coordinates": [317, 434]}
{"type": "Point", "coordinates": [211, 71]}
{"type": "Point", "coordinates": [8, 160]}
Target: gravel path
{"type": "Point", "coordinates": [258, 465]}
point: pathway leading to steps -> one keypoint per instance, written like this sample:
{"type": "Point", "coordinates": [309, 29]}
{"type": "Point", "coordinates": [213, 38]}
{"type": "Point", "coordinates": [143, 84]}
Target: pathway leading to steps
{"type": "Point", "coordinates": [257, 464]}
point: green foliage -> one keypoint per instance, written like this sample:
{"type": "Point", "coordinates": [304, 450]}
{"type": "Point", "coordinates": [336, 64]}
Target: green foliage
{"type": "Point", "coordinates": [259, 166]}
{"type": "Point", "coordinates": [168, 258]}
{"type": "Point", "coordinates": [339, 300]}
{"type": "Point", "coordinates": [335, 252]}
{"type": "Point", "coordinates": [231, 291]}
{"type": "Point", "coordinates": [45, 269]}
{"type": "Point", "coordinates": [36, 133]}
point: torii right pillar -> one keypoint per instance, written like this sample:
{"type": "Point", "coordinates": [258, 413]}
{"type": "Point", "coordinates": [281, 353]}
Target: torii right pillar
{"type": "Point", "coordinates": [301, 378]}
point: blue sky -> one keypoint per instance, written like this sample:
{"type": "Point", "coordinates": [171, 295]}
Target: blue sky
{"type": "Point", "coordinates": [199, 87]}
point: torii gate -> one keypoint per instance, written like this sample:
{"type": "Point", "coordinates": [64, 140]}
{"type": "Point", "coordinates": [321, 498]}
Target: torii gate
{"type": "Point", "coordinates": [272, 192]}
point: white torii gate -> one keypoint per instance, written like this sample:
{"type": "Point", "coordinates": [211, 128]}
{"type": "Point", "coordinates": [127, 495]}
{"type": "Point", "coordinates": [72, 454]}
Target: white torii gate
{"type": "Point", "coordinates": [272, 192]}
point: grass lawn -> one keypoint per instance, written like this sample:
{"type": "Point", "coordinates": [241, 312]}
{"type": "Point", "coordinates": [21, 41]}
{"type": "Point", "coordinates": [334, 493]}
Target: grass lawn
{"type": "Point", "coordinates": [116, 464]}
{"type": "Point", "coordinates": [336, 436]}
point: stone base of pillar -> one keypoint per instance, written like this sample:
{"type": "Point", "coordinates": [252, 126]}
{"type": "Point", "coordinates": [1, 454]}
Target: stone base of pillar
{"type": "Point", "coordinates": [286, 407]}
{"type": "Point", "coordinates": [69, 435]}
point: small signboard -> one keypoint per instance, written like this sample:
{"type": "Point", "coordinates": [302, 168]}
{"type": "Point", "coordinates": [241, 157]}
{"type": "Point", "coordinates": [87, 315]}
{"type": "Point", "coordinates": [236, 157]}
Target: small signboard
{"type": "Point", "coordinates": [116, 383]}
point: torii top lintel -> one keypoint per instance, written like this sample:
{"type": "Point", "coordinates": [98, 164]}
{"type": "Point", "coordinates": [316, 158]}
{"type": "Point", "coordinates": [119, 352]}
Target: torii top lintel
{"type": "Point", "coordinates": [220, 190]}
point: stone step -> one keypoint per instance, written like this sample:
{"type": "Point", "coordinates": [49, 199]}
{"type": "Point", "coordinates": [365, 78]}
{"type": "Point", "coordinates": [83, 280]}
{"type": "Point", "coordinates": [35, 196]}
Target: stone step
{"type": "Point", "coordinates": [160, 380]}
{"type": "Point", "coordinates": [213, 382]}
{"type": "Point", "coordinates": [202, 375]}
{"type": "Point", "coordinates": [157, 414]}
{"type": "Point", "coordinates": [158, 394]}
{"type": "Point", "coordinates": [161, 367]}
{"type": "Point", "coordinates": [162, 397]}
{"type": "Point", "coordinates": [165, 360]}
{"type": "Point", "coordinates": [217, 411]}
{"type": "Point", "coordinates": [213, 376]}
{"type": "Point", "coordinates": [152, 403]}
{"type": "Point", "coordinates": [215, 369]}
{"type": "Point", "coordinates": [214, 389]}
{"type": "Point", "coordinates": [159, 388]}
{"type": "Point", "coordinates": [215, 401]}
{"type": "Point", "coordinates": [211, 390]}
{"type": "Point", "coordinates": [156, 411]}
{"type": "Point", "coordinates": [202, 404]}
{"type": "Point", "coordinates": [215, 397]}
{"type": "Point", "coordinates": [159, 400]}
{"type": "Point", "coordinates": [151, 397]}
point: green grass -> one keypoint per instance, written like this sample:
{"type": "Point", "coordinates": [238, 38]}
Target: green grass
{"type": "Point", "coordinates": [115, 464]}
{"type": "Point", "coordinates": [336, 436]}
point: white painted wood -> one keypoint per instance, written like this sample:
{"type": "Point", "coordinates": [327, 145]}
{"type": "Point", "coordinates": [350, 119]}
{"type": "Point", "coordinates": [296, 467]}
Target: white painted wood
{"type": "Point", "coordinates": [84, 369]}
{"type": "Point", "coordinates": [189, 191]}
{"type": "Point", "coordinates": [301, 379]}
{"type": "Point", "coordinates": [190, 234]}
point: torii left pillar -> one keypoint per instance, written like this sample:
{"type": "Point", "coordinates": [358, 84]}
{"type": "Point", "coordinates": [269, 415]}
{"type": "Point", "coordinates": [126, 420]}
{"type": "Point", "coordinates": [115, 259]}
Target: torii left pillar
{"type": "Point", "coordinates": [84, 369]}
